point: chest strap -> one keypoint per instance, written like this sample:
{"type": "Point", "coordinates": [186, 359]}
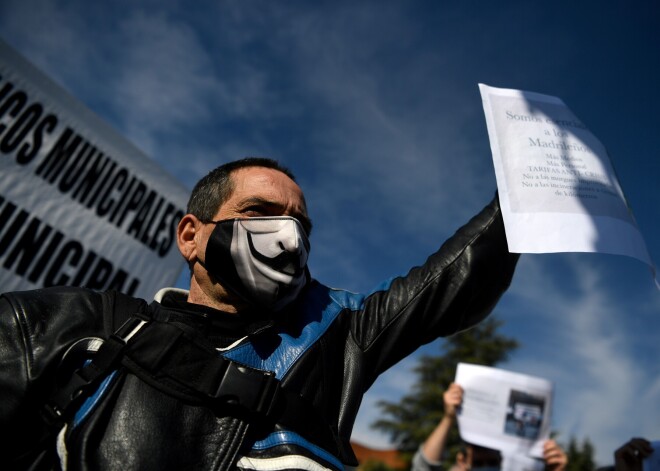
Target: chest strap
{"type": "Point", "coordinates": [175, 359]}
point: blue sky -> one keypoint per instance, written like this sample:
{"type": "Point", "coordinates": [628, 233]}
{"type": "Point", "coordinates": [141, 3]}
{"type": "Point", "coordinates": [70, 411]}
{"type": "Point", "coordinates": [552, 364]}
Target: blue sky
{"type": "Point", "coordinates": [375, 106]}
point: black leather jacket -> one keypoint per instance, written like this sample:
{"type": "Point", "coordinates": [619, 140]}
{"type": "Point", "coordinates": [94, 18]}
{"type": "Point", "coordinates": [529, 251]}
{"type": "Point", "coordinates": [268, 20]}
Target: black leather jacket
{"type": "Point", "coordinates": [328, 349]}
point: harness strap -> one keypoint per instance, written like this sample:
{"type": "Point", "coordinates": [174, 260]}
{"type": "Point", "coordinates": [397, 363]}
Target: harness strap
{"type": "Point", "coordinates": [175, 359]}
{"type": "Point", "coordinates": [75, 388]}
{"type": "Point", "coordinates": [178, 361]}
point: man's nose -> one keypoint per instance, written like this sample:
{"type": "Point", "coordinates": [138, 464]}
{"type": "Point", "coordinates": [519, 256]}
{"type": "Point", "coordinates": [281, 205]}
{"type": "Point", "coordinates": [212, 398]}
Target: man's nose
{"type": "Point", "coordinates": [291, 241]}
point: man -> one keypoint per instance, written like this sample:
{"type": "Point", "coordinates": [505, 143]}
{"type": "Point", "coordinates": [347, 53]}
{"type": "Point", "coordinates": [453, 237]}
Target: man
{"type": "Point", "coordinates": [257, 366]}
{"type": "Point", "coordinates": [473, 457]}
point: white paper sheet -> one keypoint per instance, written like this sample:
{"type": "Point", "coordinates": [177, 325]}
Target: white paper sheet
{"type": "Point", "coordinates": [558, 190]}
{"type": "Point", "coordinates": [519, 462]}
{"type": "Point", "coordinates": [504, 410]}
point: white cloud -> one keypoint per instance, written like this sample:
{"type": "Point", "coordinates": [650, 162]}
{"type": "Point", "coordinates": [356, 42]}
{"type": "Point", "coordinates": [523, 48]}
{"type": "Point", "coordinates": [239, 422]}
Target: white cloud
{"type": "Point", "coordinates": [49, 35]}
{"type": "Point", "coordinates": [163, 78]}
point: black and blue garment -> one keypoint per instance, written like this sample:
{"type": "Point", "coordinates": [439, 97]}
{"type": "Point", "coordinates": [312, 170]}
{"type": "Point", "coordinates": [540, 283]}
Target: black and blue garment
{"type": "Point", "coordinates": [195, 388]}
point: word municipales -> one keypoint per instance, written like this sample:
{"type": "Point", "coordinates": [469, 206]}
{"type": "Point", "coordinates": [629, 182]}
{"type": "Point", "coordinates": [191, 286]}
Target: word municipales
{"type": "Point", "coordinates": [64, 261]}
{"type": "Point", "coordinates": [77, 168]}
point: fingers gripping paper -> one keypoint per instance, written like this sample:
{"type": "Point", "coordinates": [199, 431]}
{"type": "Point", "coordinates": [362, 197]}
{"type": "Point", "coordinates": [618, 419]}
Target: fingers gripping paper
{"type": "Point", "coordinates": [557, 187]}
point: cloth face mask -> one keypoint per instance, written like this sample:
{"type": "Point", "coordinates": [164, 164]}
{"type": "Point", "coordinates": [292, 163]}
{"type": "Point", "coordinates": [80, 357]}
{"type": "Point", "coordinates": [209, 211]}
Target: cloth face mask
{"type": "Point", "coordinates": [263, 260]}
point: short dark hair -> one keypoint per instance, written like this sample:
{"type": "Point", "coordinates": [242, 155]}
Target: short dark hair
{"type": "Point", "coordinates": [481, 455]}
{"type": "Point", "coordinates": [214, 189]}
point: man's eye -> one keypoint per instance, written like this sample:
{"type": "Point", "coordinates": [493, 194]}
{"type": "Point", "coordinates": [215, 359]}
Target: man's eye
{"type": "Point", "coordinates": [254, 211]}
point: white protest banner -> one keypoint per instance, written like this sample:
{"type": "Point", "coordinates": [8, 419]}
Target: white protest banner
{"type": "Point", "coordinates": [557, 187]}
{"type": "Point", "coordinates": [79, 204]}
{"type": "Point", "coordinates": [504, 410]}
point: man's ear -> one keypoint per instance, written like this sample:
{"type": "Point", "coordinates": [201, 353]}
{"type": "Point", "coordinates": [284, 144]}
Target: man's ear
{"type": "Point", "coordinates": [185, 236]}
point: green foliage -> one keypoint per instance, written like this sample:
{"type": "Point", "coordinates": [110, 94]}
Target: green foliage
{"type": "Point", "coordinates": [580, 457]}
{"type": "Point", "coordinates": [411, 420]}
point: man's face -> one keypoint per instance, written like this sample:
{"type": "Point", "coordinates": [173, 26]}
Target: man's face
{"type": "Point", "coordinates": [261, 192]}
{"type": "Point", "coordinates": [258, 192]}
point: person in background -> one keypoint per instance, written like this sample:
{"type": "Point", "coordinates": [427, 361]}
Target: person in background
{"type": "Point", "coordinates": [472, 457]}
{"type": "Point", "coordinates": [630, 455]}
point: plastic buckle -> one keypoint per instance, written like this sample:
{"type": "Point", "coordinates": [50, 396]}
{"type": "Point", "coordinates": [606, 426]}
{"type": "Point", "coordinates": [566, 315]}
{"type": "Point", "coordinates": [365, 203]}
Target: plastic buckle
{"type": "Point", "coordinates": [248, 387]}
{"type": "Point", "coordinates": [52, 415]}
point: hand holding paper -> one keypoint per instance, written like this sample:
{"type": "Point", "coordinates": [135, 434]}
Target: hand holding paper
{"type": "Point", "coordinates": [503, 410]}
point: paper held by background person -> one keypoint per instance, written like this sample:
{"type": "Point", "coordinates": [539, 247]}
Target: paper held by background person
{"type": "Point", "coordinates": [518, 462]}
{"type": "Point", "coordinates": [558, 190]}
{"type": "Point", "coordinates": [503, 410]}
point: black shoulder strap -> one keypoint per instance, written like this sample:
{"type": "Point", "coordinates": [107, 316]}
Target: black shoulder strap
{"type": "Point", "coordinates": [76, 375]}
{"type": "Point", "coordinates": [77, 385]}
{"type": "Point", "coordinates": [118, 307]}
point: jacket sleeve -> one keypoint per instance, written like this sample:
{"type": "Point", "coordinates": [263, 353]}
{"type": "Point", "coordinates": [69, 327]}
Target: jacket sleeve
{"type": "Point", "coordinates": [36, 328]}
{"type": "Point", "coordinates": [457, 287]}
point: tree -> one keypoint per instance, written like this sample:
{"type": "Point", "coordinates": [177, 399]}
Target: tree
{"type": "Point", "coordinates": [580, 458]}
{"type": "Point", "coordinates": [411, 420]}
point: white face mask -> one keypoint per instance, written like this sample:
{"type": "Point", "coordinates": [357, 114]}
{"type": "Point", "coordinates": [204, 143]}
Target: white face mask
{"type": "Point", "coordinates": [263, 260]}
